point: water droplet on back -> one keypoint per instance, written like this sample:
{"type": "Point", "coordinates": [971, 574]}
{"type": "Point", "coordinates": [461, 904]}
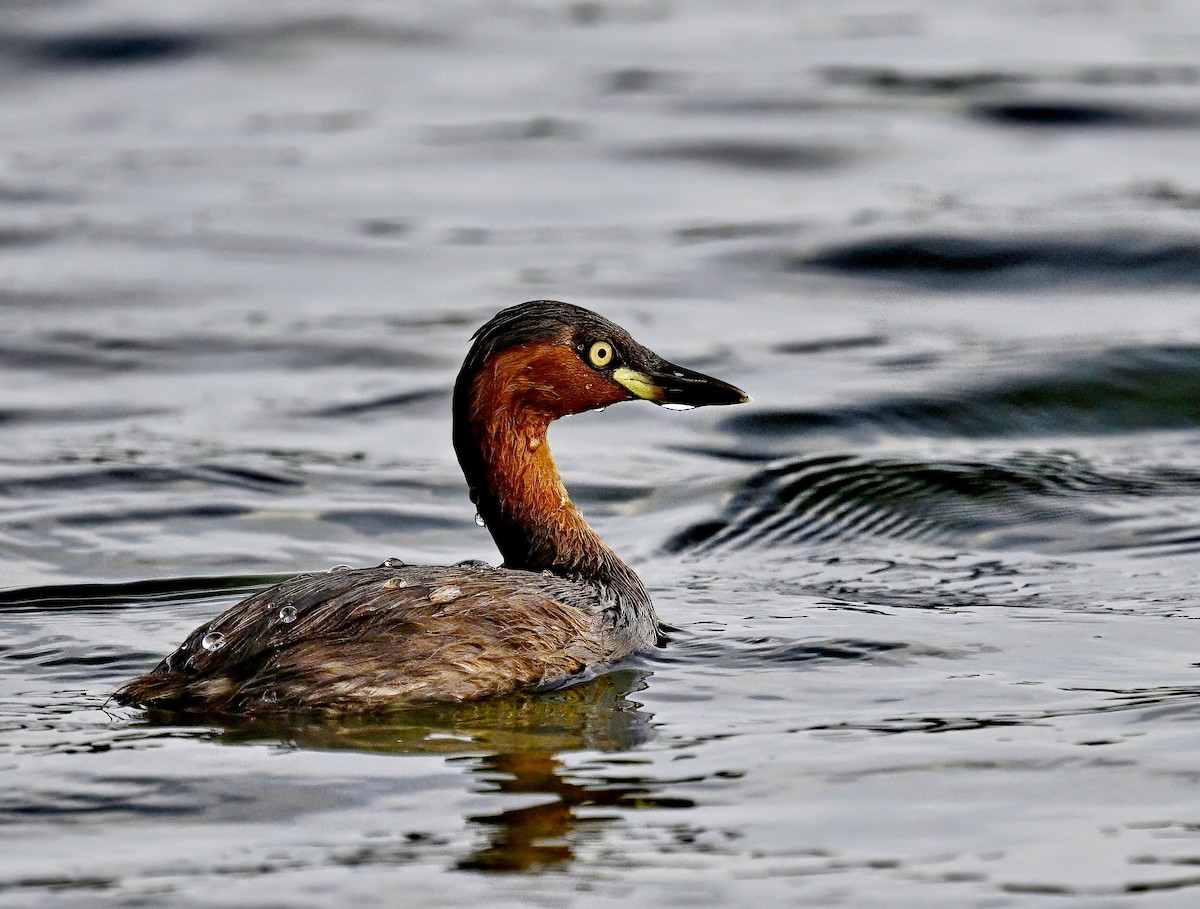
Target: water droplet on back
{"type": "Point", "coordinates": [337, 568]}
{"type": "Point", "coordinates": [394, 584]}
{"type": "Point", "coordinates": [547, 573]}
{"type": "Point", "coordinates": [214, 640]}
{"type": "Point", "coordinates": [287, 614]}
{"type": "Point", "coordinates": [270, 696]}
{"type": "Point", "coordinates": [392, 563]}
{"type": "Point", "coordinates": [479, 520]}
{"type": "Point", "coordinates": [472, 563]}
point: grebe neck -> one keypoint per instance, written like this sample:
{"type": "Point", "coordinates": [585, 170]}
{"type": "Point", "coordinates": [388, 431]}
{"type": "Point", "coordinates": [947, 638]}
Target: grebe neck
{"type": "Point", "coordinates": [516, 487]}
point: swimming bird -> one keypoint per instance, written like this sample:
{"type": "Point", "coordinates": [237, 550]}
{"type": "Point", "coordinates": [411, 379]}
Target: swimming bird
{"type": "Point", "coordinates": [562, 607]}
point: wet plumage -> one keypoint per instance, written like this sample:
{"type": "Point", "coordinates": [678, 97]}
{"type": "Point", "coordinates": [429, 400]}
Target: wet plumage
{"type": "Point", "coordinates": [563, 607]}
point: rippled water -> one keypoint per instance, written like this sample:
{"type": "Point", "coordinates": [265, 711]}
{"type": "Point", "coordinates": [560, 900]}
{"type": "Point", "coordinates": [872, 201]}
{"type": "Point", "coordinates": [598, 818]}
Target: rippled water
{"type": "Point", "coordinates": [930, 594]}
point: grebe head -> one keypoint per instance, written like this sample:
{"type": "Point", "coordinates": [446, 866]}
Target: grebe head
{"type": "Point", "coordinates": [547, 359]}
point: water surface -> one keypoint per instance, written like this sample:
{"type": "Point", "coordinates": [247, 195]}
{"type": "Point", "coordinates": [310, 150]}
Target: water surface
{"type": "Point", "coordinates": [930, 594]}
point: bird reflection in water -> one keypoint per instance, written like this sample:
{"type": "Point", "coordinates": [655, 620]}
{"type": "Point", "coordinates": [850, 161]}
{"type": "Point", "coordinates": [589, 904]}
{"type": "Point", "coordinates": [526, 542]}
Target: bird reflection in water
{"type": "Point", "coordinates": [514, 745]}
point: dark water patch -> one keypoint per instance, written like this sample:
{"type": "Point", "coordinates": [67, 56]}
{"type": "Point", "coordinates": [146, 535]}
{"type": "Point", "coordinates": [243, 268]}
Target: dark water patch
{"type": "Point", "coordinates": [828, 345]}
{"type": "Point", "coordinates": [1139, 74]}
{"type": "Point", "coordinates": [147, 45]}
{"type": "Point", "coordinates": [1140, 701]}
{"type": "Point", "coordinates": [635, 80]}
{"type": "Point", "coordinates": [895, 81]}
{"type": "Point", "coordinates": [119, 595]}
{"type": "Point", "coordinates": [156, 516]}
{"type": "Point", "coordinates": [732, 652]}
{"type": "Point", "coordinates": [246, 477]}
{"type": "Point", "coordinates": [1172, 194]}
{"type": "Point", "coordinates": [116, 48]}
{"type": "Point", "coordinates": [349, 29]}
{"type": "Point", "coordinates": [88, 351]}
{"type": "Point", "coordinates": [39, 355]}
{"type": "Point", "coordinates": [952, 260]}
{"type": "Point", "coordinates": [385, 404]}
{"type": "Point", "coordinates": [508, 131]}
{"type": "Point", "coordinates": [611, 492]}
{"type": "Point", "coordinates": [1019, 501]}
{"type": "Point", "coordinates": [746, 154]}
{"type": "Point", "coordinates": [721, 232]}
{"type": "Point", "coordinates": [95, 297]}
{"type": "Point", "coordinates": [13, 416]}
{"type": "Point", "coordinates": [72, 661]}
{"type": "Point", "coordinates": [16, 236]}
{"type": "Point", "coordinates": [1083, 114]}
{"type": "Point", "coordinates": [72, 478]}
{"type": "Point", "coordinates": [16, 194]}
{"type": "Point", "coordinates": [1120, 390]}
{"type": "Point", "coordinates": [380, 522]}
{"type": "Point", "coordinates": [386, 228]}
{"type": "Point", "coordinates": [751, 105]}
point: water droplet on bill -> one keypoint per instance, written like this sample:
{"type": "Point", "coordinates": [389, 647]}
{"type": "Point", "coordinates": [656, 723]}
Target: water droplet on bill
{"type": "Point", "coordinates": [679, 407]}
{"type": "Point", "coordinates": [479, 520]}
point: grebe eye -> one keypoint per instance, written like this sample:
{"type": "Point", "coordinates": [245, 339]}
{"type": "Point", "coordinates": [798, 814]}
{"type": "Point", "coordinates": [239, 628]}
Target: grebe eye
{"type": "Point", "coordinates": [601, 354]}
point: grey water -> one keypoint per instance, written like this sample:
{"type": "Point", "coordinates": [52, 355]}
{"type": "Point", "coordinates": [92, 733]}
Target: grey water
{"type": "Point", "coordinates": [930, 595]}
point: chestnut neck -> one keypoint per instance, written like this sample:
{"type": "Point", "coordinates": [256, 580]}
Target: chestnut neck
{"type": "Point", "coordinates": [500, 438]}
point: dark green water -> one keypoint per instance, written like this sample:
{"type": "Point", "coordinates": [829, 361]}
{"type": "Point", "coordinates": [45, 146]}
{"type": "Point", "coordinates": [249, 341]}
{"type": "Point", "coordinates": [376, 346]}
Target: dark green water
{"type": "Point", "coordinates": [931, 592]}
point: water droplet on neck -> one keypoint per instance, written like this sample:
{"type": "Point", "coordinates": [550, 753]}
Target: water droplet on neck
{"type": "Point", "coordinates": [287, 614]}
{"type": "Point", "coordinates": [392, 563]}
{"type": "Point", "coordinates": [679, 407]}
{"type": "Point", "coordinates": [214, 640]}
{"type": "Point", "coordinates": [336, 568]}
{"type": "Point", "coordinates": [479, 520]}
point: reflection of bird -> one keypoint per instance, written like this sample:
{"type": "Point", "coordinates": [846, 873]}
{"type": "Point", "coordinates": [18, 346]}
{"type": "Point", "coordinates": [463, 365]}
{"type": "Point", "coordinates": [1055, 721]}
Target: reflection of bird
{"type": "Point", "coordinates": [562, 607]}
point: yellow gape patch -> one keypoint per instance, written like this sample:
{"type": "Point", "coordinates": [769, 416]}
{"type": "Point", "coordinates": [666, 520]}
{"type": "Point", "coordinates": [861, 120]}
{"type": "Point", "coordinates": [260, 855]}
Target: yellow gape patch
{"type": "Point", "coordinates": [638, 384]}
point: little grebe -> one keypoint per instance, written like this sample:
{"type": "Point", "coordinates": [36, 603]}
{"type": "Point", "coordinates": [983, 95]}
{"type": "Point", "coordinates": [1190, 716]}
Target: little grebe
{"type": "Point", "coordinates": [562, 607]}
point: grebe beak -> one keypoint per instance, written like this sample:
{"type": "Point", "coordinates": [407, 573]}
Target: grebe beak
{"type": "Point", "coordinates": [677, 386]}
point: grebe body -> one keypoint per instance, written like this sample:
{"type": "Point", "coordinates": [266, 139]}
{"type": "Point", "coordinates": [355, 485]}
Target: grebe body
{"type": "Point", "coordinates": [562, 607]}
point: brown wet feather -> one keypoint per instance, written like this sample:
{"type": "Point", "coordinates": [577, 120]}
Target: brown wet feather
{"type": "Point", "coordinates": [361, 642]}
